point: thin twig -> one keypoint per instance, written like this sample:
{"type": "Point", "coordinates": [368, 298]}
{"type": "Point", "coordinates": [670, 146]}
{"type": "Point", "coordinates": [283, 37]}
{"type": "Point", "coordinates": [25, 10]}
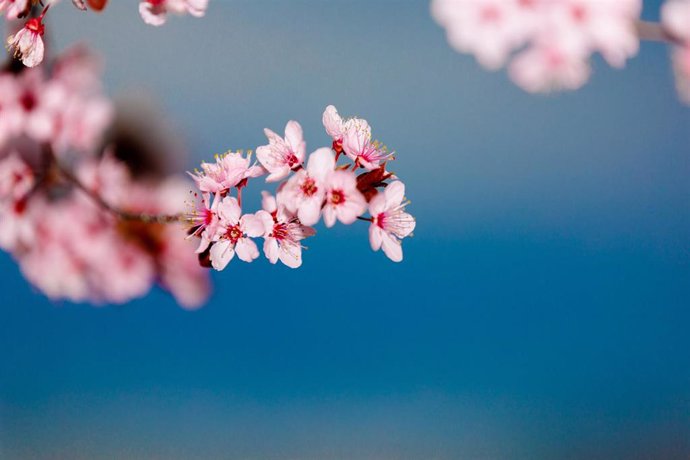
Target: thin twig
{"type": "Point", "coordinates": [124, 215]}
{"type": "Point", "coordinates": [654, 31]}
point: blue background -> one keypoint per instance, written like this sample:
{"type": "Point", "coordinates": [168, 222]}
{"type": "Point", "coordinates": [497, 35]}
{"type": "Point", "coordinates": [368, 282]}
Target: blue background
{"type": "Point", "coordinates": [542, 310]}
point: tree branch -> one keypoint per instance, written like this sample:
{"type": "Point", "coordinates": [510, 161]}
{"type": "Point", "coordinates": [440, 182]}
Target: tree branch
{"type": "Point", "coordinates": [654, 31]}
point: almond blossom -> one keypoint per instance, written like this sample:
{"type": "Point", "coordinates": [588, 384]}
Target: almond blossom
{"type": "Point", "coordinates": [155, 12]}
{"type": "Point", "coordinates": [283, 233]}
{"type": "Point", "coordinates": [282, 155]}
{"type": "Point", "coordinates": [389, 222]}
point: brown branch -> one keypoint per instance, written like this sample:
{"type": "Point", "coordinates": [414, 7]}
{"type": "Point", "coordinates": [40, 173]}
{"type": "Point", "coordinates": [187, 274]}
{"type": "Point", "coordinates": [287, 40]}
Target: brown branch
{"type": "Point", "coordinates": [654, 31]}
{"type": "Point", "coordinates": [119, 213]}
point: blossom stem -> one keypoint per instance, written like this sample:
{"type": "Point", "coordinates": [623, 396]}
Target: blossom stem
{"type": "Point", "coordinates": [367, 219]}
{"type": "Point", "coordinates": [654, 31]}
{"type": "Point", "coordinates": [119, 213]}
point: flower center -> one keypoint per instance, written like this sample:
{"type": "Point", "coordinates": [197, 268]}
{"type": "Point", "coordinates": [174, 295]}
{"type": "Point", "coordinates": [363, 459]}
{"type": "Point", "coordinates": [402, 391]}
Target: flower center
{"type": "Point", "coordinates": [337, 197]}
{"type": "Point", "coordinates": [28, 101]}
{"type": "Point", "coordinates": [309, 187]}
{"type": "Point", "coordinates": [280, 231]}
{"type": "Point", "coordinates": [234, 233]}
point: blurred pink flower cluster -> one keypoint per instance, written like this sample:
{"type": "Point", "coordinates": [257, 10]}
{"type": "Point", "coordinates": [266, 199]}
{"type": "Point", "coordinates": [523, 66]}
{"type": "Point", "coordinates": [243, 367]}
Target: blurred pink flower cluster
{"type": "Point", "coordinates": [553, 39]}
{"type": "Point", "coordinates": [675, 16]}
{"type": "Point", "coordinates": [58, 190]}
{"type": "Point", "coordinates": [27, 42]}
{"type": "Point", "coordinates": [312, 188]}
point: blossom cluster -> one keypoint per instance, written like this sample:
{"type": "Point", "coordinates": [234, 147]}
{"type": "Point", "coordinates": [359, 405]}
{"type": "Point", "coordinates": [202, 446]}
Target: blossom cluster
{"type": "Point", "coordinates": [675, 16]}
{"type": "Point", "coordinates": [553, 39]}
{"type": "Point", "coordinates": [27, 42]}
{"type": "Point", "coordinates": [59, 185]}
{"type": "Point", "coordinates": [310, 188]}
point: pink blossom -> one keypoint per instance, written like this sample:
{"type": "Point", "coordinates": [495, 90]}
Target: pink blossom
{"type": "Point", "coordinates": [283, 233]}
{"type": "Point", "coordinates": [234, 233]}
{"type": "Point", "coordinates": [305, 191]}
{"type": "Point", "coordinates": [16, 177]}
{"type": "Point", "coordinates": [561, 35]}
{"type": "Point", "coordinates": [229, 170]}
{"type": "Point", "coordinates": [27, 44]}
{"type": "Point", "coordinates": [155, 12]}
{"type": "Point", "coordinates": [548, 67]}
{"type": "Point", "coordinates": [343, 201]}
{"type": "Point", "coordinates": [390, 223]}
{"type": "Point", "coordinates": [489, 29]}
{"type": "Point", "coordinates": [681, 66]}
{"type": "Point", "coordinates": [204, 221]}
{"type": "Point", "coordinates": [281, 156]}
{"type": "Point", "coordinates": [675, 17]}
{"type": "Point", "coordinates": [359, 147]}
{"type": "Point", "coordinates": [334, 127]}
{"type": "Point", "coordinates": [14, 7]}
{"type": "Point", "coordinates": [10, 119]}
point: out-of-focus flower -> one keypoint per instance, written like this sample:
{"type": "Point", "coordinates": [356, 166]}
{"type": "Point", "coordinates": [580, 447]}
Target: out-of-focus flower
{"type": "Point", "coordinates": [281, 156]}
{"type": "Point", "coordinates": [14, 7]}
{"type": "Point", "coordinates": [681, 66]}
{"type": "Point", "coordinates": [16, 177]}
{"type": "Point", "coordinates": [548, 67]}
{"type": "Point", "coordinates": [66, 109]}
{"type": "Point", "coordinates": [155, 12]}
{"type": "Point", "coordinates": [675, 17]}
{"type": "Point", "coordinates": [560, 35]}
{"type": "Point", "coordinates": [390, 223]}
{"type": "Point", "coordinates": [283, 233]}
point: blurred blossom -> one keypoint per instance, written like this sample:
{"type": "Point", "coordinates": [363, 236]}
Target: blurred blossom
{"type": "Point", "coordinates": [60, 226]}
{"type": "Point", "coordinates": [559, 35]}
{"type": "Point", "coordinates": [675, 17]}
{"type": "Point", "coordinates": [155, 12]}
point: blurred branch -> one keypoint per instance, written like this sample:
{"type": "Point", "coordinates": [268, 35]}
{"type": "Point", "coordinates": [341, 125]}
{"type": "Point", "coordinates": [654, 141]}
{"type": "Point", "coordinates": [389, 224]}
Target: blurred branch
{"type": "Point", "coordinates": [654, 31]}
{"type": "Point", "coordinates": [98, 200]}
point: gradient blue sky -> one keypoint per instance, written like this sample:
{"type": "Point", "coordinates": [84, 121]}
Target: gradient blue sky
{"type": "Point", "coordinates": [542, 310]}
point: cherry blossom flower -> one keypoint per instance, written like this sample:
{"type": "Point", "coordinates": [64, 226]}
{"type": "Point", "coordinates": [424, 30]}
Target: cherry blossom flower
{"type": "Point", "coordinates": [16, 177]}
{"type": "Point", "coordinates": [359, 147]}
{"type": "Point", "coordinates": [334, 127]}
{"type": "Point", "coordinates": [27, 44]}
{"type": "Point", "coordinates": [548, 67]}
{"type": "Point", "coordinates": [234, 233]}
{"type": "Point", "coordinates": [229, 170]}
{"type": "Point", "coordinates": [283, 233]}
{"type": "Point", "coordinates": [681, 65]}
{"type": "Point", "coordinates": [281, 156]}
{"type": "Point", "coordinates": [489, 29]}
{"type": "Point", "coordinates": [14, 7]}
{"type": "Point", "coordinates": [390, 223]}
{"type": "Point", "coordinates": [561, 36]}
{"type": "Point", "coordinates": [343, 201]}
{"type": "Point", "coordinates": [305, 191]}
{"type": "Point", "coordinates": [675, 17]}
{"type": "Point", "coordinates": [155, 12]}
